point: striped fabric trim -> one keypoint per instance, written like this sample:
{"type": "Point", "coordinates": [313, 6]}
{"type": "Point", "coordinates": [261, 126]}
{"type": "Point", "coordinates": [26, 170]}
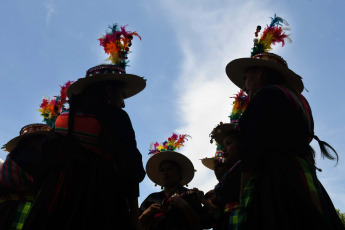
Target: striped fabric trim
{"type": "Point", "coordinates": [86, 129]}
{"type": "Point", "coordinates": [301, 103]}
{"type": "Point", "coordinates": [21, 215]}
{"type": "Point", "coordinates": [17, 197]}
{"type": "Point", "coordinates": [13, 176]}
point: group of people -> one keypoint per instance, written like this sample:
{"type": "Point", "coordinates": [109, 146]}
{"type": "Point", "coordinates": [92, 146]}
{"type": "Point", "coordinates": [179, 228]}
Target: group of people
{"type": "Point", "coordinates": [82, 171]}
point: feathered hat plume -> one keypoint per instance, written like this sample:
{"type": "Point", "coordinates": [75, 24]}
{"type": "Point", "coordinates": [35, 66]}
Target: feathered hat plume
{"type": "Point", "coordinates": [116, 43]}
{"type": "Point", "coordinates": [240, 104]}
{"type": "Point", "coordinates": [51, 109]}
{"type": "Point", "coordinates": [174, 142]}
{"type": "Point", "coordinates": [273, 33]}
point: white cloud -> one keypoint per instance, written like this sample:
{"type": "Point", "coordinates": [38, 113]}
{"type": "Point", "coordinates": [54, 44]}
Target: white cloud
{"type": "Point", "coordinates": [210, 36]}
{"type": "Point", "coordinates": [50, 7]}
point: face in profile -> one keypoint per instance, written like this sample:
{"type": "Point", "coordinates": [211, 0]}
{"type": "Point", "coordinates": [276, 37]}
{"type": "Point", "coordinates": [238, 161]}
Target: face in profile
{"type": "Point", "coordinates": [116, 95]}
{"type": "Point", "coordinates": [230, 148]}
{"type": "Point", "coordinates": [169, 174]}
{"type": "Point", "coordinates": [252, 81]}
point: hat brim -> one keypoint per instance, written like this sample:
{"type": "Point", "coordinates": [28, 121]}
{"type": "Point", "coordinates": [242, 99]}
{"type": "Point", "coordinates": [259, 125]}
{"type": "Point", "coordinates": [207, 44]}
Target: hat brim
{"type": "Point", "coordinates": [12, 144]}
{"type": "Point", "coordinates": [133, 83]}
{"type": "Point", "coordinates": [222, 130]}
{"type": "Point", "coordinates": [152, 166]}
{"type": "Point", "coordinates": [236, 69]}
{"type": "Point", "coordinates": [208, 162]}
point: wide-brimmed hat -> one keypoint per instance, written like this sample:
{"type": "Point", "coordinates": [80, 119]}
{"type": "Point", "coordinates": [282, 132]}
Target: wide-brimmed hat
{"type": "Point", "coordinates": [27, 131]}
{"type": "Point", "coordinates": [165, 152]}
{"type": "Point", "coordinates": [116, 44]}
{"type": "Point", "coordinates": [153, 164]}
{"type": "Point", "coordinates": [260, 57]}
{"type": "Point", "coordinates": [50, 109]}
{"type": "Point", "coordinates": [236, 69]}
{"type": "Point", "coordinates": [209, 162]}
{"type": "Point", "coordinates": [133, 84]}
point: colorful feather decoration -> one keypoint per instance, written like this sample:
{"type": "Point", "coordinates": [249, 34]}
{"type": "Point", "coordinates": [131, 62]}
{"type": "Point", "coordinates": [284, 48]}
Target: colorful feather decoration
{"type": "Point", "coordinates": [240, 104]}
{"type": "Point", "coordinates": [51, 109]}
{"type": "Point", "coordinates": [116, 43]}
{"type": "Point", "coordinates": [174, 142]}
{"type": "Point", "coordinates": [272, 34]}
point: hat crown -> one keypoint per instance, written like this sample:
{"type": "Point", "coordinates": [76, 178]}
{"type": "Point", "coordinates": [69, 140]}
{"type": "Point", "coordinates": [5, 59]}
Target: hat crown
{"type": "Point", "coordinates": [271, 57]}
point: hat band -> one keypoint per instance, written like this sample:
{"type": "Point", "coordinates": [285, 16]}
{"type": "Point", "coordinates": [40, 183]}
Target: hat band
{"type": "Point", "coordinates": [105, 69]}
{"type": "Point", "coordinates": [271, 57]}
{"type": "Point", "coordinates": [34, 128]}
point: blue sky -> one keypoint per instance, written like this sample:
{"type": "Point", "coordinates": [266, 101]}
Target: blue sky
{"type": "Point", "coordinates": [183, 53]}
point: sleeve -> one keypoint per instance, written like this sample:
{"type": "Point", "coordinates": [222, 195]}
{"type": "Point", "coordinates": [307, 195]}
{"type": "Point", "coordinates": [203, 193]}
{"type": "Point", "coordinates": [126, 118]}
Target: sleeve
{"type": "Point", "coordinates": [128, 156]}
{"type": "Point", "coordinates": [266, 126]}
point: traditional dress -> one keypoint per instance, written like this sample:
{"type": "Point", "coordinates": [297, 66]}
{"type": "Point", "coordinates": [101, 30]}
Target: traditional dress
{"type": "Point", "coordinates": [19, 176]}
{"type": "Point", "coordinates": [95, 170]}
{"type": "Point", "coordinates": [172, 217]}
{"type": "Point", "coordinates": [284, 191]}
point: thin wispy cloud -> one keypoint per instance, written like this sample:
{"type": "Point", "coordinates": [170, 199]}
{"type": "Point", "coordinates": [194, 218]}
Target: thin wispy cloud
{"type": "Point", "coordinates": [50, 7]}
{"type": "Point", "coordinates": [210, 36]}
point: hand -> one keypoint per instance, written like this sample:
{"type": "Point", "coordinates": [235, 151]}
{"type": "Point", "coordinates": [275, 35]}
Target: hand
{"type": "Point", "coordinates": [153, 209]}
{"type": "Point", "coordinates": [200, 194]}
{"type": "Point", "coordinates": [178, 202]}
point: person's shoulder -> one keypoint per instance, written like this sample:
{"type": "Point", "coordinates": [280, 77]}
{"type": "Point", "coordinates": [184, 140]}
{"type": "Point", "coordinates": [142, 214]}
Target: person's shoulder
{"type": "Point", "coordinates": [271, 93]}
{"type": "Point", "coordinates": [271, 90]}
{"type": "Point", "coordinates": [156, 195]}
{"type": "Point", "coordinates": [117, 113]}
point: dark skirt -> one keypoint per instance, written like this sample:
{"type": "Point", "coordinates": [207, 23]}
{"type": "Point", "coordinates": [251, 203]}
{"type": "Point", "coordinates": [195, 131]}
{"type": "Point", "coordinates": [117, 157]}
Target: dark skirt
{"type": "Point", "coordinates": [14, 207]}
{"type": "Point", "coordinates": [8, 211]}
{"type": "Point", "coordinates": [84, 193]}
{"type": "Point", "coordinates": [286, 194]}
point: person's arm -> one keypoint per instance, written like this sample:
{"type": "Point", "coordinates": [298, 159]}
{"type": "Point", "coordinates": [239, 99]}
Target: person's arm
{"type": "Point", "coordinates": [126, 153]}
{"type": "Point", "coordinates": [148, 215]}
